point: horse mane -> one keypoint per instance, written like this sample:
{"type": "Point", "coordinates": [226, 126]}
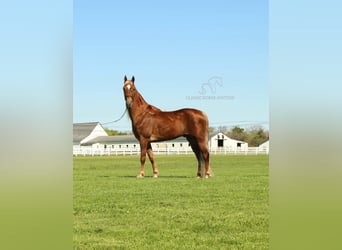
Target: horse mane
{"type": "Point", "coordinates": [141, 101]}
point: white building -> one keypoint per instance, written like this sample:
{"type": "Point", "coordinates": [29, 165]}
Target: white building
{"type": "Point", "coordinates": [91, 139]}
{"type": "Point", "coordinates": [84, 132]}
{"type": "Point", "coordinates": [128, 144]}
{"type": "Point", "coordinates": [264, 147]}
{"type": "Point", "coordinates": [220, 142]}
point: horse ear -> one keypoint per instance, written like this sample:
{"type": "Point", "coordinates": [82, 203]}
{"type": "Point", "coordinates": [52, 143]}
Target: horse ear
{"type": "Point", "coordinates": [125, 78]}
{"type": "Point", "coordinates": [133, 79]}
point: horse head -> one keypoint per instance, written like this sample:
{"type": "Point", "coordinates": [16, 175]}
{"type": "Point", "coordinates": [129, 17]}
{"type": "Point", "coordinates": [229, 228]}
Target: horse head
{"type": "Point", "coordinates": [129, 91]}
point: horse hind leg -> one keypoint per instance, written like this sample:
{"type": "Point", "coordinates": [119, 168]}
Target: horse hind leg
{"type": "Point", "coordinates": [196, 150]}
{"type": "Point", "coordinates": [203, 147]}
{"type": "Point", "coordinates": [201, 165]}
{"type": "Point", "coordinates": [200, 169]}
{"type": "Point", "coordinates": [151, 157]}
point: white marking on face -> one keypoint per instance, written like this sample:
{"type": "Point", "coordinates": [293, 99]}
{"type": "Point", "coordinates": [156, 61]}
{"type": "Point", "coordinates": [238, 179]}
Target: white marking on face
{"type": "Point", "coordinates": [128, 86]}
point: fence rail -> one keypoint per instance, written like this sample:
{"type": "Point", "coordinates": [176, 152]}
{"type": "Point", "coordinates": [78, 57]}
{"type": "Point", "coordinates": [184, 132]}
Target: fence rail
{"type": "Point", "coordinates": [83, 151]}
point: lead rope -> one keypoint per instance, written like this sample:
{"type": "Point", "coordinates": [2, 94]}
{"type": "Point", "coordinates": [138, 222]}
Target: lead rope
{"type": "Point", "coordinates": [116, 119]}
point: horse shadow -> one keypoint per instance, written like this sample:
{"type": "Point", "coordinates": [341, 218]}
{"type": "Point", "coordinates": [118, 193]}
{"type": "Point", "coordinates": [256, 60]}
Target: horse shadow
{"type": "Point", "coordinates": [159, 177]}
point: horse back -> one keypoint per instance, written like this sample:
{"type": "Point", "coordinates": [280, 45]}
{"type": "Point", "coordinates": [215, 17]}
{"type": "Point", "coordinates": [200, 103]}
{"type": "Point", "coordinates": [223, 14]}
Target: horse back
{"type": "Point", "coordinates": [194, 121]}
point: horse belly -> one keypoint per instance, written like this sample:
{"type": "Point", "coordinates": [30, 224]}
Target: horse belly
{"type": "Point", "coordinates": [167, 130]}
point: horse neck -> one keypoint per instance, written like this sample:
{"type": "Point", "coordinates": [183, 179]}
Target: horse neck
{"type": "Point", "coordinates": [138, 107]}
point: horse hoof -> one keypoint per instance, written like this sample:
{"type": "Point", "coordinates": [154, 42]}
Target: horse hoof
{"type": "Point", "coordinates": [155, 176]}
{"type": "Point", "coordinates": [140, 176]}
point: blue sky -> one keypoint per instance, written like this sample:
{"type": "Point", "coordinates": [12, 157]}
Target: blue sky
{"type": "Point", "coordinates": [174, 49]}
{"type": "Point", "coordinates": [171, 57]}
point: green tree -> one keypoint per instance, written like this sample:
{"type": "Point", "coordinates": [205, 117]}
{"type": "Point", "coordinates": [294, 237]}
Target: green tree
{"type": "Point", "coordinates": [257, 136]}
{"type": "Point", "coordinates": [115, 132]}
{"type": "Point", "coordinates": [253, 136]}
{"type": "Point", "coordinates": [237, 133]}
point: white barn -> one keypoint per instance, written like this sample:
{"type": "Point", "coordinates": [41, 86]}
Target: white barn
{"type": "Point", "coordinates": [264, 147]}
{"type": "Point", "coordinates": [128, 144]}
{"type": "Point", "coordinates": [221, 142]}
{"type": "Point", "coordinates": [91, 139]}
{"type": "Point", "coordinates": [84, 132]}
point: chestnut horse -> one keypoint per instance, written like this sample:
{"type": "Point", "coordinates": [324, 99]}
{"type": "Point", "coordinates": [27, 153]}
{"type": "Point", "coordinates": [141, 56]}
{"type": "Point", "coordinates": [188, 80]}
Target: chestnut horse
{"type": "Point", "coordinates": [150, 124]}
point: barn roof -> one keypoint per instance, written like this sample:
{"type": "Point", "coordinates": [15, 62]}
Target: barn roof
{"type": "Point", "coordinates": [211, 135]}
{"type": "Point", "coordinates": [216, 133]}
{"type": "Point", "coordinates": [112, 139]}
{"type": "Point", "coordinates": [265, 144]}
{"type": "Point", "coordinates": [82, 130]}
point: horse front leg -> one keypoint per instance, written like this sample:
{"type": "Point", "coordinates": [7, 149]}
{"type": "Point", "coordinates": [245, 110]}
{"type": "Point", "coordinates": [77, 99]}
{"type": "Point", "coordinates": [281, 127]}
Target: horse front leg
{"type": "Point", "coordinates": [143, 148]}
{"type": "Point", "coordinates": [151, 157]}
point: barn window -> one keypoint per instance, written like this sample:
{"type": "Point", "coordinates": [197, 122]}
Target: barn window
{"type": "Point", "coordinates": [238, 144]}
{"type": "Point", "coordinates": [134, 145]}
{"type": "Point", "coordinates": [181, 145]}
{"type": "Point", "coordinates": [220, 143]}
{"type": "Point", "coordinates": [173, 145]}
{"type": "Point", "coordinates": [126, 145]}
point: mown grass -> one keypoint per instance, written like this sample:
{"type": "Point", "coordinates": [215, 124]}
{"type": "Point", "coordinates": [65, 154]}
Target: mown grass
{"type": "Point", "coordinates": [114, 210]}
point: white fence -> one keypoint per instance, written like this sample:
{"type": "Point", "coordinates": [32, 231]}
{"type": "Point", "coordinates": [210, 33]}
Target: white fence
{"type": "Point", "coordinates": [84, 150]}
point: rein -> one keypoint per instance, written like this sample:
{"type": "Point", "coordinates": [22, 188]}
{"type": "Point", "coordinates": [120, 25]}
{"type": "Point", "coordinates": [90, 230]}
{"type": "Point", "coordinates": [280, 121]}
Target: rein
{"type": "Point", "coordinates": [117, 119]}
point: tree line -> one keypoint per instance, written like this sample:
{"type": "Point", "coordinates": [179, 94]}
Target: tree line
{"type": "Point", "coordinates": [116, 132]}
{"type": "Point", "coordinates": [254, 136]}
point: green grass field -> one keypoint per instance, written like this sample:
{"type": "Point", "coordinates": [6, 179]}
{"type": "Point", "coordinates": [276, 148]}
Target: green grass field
{"type": "Point", "coordinates": [115, 210]}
